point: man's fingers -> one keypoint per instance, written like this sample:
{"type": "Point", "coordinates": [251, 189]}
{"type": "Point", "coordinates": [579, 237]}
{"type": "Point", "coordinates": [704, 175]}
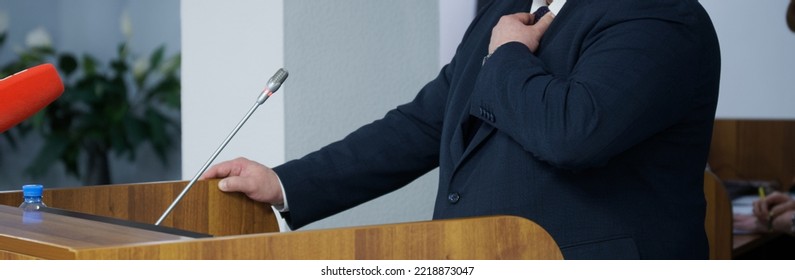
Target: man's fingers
{"type": "Point", "coordinates": [525, 18]}
{"type": "Point", "coordinates": [781, 208]}
{"type": "Point", "coordinates": [232, 184]}
{"type": "Point", "coordinates": [777, 198]}
{"type": "Point", "coordinates": [221, 170]}
{"type": "Point", "coordinates": [224, 169]}
{"type": "Point", "coordinates": [256, 188]}
{"type": "Point", "coordinates": [216, 171]}
{"type": "Point", "coordinates": [543, 23]}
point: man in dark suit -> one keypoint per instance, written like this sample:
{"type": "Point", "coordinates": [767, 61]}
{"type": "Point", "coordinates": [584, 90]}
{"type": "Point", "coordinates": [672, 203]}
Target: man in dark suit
{"type": "Point", "coordinates": [594, 121]}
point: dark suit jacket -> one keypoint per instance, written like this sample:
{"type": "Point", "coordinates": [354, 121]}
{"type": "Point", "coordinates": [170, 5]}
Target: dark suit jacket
{"type": "Point", "coordinates": [601, 136]}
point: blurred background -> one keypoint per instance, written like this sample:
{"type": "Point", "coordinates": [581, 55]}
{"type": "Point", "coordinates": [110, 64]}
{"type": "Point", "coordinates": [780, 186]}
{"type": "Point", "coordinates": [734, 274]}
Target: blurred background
{"type": "Point", "coordinates": [118, 120]}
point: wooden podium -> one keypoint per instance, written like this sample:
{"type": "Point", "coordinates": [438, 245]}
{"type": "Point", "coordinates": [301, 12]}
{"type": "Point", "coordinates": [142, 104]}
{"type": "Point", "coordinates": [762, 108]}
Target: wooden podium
{"type": "Point", "coordinates": [114, 222]}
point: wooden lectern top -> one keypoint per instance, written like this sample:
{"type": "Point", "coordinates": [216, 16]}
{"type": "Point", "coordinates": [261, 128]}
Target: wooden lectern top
{"type": "Point", "coordinates": [47, 235]}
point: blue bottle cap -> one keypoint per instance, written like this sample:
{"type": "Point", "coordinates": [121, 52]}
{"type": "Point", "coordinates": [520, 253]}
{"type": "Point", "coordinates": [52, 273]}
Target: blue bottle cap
{"type": "Point", "coordinates": [32, 190]}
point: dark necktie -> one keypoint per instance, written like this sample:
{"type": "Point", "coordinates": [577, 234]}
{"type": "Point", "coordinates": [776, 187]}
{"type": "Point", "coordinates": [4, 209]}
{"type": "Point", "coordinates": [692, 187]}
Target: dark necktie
{"type": "Point", "coordinates": [539, 13]}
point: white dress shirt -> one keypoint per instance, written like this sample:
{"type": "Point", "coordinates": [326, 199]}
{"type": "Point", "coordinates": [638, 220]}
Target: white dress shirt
{"type": "Point", "coordinates": [554, 7]}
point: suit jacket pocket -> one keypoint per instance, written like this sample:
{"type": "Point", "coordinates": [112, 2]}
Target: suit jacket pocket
{"type": "Point", "coordinates": [611, 248]}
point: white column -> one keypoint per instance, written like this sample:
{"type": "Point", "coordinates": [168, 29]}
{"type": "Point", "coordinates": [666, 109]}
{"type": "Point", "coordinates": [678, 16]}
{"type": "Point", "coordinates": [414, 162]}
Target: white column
{"type": "Point", "coordinates": [230, 49]}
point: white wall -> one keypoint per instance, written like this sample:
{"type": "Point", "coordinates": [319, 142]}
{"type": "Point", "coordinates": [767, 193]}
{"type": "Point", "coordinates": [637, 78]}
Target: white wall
{"type": "Point", "coordinates": [230, 49]}
{"type": "Point", "coordinates": [758, 56]}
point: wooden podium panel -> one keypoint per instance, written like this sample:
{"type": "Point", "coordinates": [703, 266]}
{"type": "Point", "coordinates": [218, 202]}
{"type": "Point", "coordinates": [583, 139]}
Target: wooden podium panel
{"type": "Point", "coordinates": [203, 209]}
{"type": "Point", "coordinates": [243, 229]}
{"type": "Point", "coordinates": [499, 237]}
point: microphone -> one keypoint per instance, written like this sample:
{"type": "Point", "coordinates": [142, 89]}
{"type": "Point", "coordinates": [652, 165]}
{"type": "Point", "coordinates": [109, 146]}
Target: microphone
{"type": "Point", "coordinates": [274, 83]}
{"type": "Point", "coordinates": [25, 93]}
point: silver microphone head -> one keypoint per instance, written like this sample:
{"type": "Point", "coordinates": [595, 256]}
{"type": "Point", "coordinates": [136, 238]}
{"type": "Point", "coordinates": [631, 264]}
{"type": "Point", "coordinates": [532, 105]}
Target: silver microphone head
{"type": "Point", "coordinates": [275, 82]}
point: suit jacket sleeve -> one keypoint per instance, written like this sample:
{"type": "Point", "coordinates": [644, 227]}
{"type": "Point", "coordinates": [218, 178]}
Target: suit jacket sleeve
{"type": "Point", "coordinates": [373, 160]}
{"type": "Point", "coordinates": [630, 79]}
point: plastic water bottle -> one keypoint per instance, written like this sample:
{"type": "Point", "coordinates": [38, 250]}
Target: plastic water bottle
{"type": "Point", "coordinates": [32, 204]}
{"type": "Point", "coordinates": [32, 195]}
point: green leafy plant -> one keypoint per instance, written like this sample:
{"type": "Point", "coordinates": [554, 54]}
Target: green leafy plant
{"type": "Point", "coordinates": [114, 107]}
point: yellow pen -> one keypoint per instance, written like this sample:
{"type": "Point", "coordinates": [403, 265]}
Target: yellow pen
{"type": "Point", "coordinates": [762, 197]}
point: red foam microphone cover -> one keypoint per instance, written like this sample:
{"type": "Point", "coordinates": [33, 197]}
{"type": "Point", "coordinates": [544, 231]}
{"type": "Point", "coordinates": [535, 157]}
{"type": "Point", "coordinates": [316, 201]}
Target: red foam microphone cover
{"type": "Point", "coordinates": [27, 92]}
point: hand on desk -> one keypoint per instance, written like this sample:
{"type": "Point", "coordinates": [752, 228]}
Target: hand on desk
{"type": "Point", "coordinates": [778, 208]}
{"type": "Point", "coordinates": [257, 181]}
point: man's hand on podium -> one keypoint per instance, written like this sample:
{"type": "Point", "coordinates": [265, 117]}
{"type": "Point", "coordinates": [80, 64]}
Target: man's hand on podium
{"type": "Point", "coordinates": [257, 181]}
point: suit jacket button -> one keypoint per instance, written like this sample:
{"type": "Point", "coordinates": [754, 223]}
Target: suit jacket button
{"type": "Point", "coordinates": [453, 197]}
